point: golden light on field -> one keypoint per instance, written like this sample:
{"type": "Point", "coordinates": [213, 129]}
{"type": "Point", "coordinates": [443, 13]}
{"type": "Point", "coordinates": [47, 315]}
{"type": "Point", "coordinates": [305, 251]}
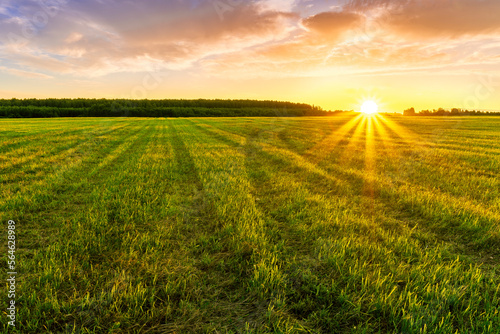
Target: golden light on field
{"type": "Point", "coordinates": [369, 108]}
{"type": "Point", "coordinates": [374, 134]}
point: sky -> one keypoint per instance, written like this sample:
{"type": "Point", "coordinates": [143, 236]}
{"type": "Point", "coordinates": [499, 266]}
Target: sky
{"type": "Point", "coordinates": [335, 54]}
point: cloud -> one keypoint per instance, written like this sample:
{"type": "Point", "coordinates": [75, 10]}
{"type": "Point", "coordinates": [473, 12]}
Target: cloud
{"type": "Point", "coordinates": [434, 18]}
{"type": "Point", "coordinates": [261, 37]}
{"type": "Point", "coordinates": [347, 42]}
{"type": "Point", "coordinates": [25, 74]}
{"type": "Point", "coordinates": [304, 59]}
{"type": "Point", "coordinates": [98, 36]}
{"type": "Point", "coordinates": [332, 24]}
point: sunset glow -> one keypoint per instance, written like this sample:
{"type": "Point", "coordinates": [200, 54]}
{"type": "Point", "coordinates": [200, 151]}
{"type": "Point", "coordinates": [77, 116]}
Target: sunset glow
{"type": "Point", "coordinates": [330, 53]}
{"type": "Point", "coordinates": [369, 107]}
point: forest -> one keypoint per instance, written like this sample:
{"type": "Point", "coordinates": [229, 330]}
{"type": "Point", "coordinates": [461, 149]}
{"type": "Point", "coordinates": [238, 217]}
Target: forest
{"type": "Point", "coordinates": [81, 107]}
{"type": "Point", "coordinates": [47, 108]}
{"type": "Point", "coordinates": [452, 112]}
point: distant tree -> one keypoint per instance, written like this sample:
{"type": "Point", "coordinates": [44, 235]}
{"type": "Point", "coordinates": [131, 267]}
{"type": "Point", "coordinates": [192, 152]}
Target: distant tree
{"type": "Point", "coordinates": [409, 112]}
{"type": "Point", "coordinates": [440, 112]}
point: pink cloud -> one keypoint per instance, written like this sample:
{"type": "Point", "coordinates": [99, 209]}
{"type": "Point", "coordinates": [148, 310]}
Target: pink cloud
{"type": "Point", "coordinates": [98, 37]}
{"type": "Point", "coordinates": [25, 74]}
{"type": "Point", "coordinates": [434, 18]}
{"type": "Point", "coordinates": [332, 24]}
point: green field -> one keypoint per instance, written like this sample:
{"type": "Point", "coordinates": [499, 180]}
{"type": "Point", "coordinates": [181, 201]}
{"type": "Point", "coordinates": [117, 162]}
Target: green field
{"type": "Point", "coordinates": [253, 225]}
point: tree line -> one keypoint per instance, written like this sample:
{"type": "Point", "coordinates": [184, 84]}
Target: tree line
{"type": "Point", "coordinates": [452, 112]}
{"type": "Point", "coordinates": [46, 108]}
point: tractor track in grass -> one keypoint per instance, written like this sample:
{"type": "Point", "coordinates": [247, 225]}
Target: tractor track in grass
{"type": "Point", "coordinates": [44, 191]}
{"type": "Point", "coordinates": [228, 176]}
{"type": "Point", "coordinates": [9, 147]}
{"type": "Point", "coordinates": [348, 172]}
{"type": "Point", "coordinates": [452, 229]}
{"type": "Point", "coordinates": [55, 154]}
{"type": "Point", "coordinates": [285, 234]}
{"type": "Point", "coordinates": [122, 151]}
{"type": "Point", "coordinates": [46, 200]}
{"type": "Point", "coordinates": [210, 225]}
{"type": "Point", "coordinates": [207, 251]}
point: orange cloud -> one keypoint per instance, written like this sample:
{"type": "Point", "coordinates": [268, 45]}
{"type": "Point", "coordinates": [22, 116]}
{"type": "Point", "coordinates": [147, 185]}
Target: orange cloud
{"type": "Point", "coordinates": [434, 18]}
{"type": "Point", "coordinates": [98, 37]}
{"type": "Point", "coordinates": [25, 74]}
{"type": "Point", "coordinates": [332, 24]}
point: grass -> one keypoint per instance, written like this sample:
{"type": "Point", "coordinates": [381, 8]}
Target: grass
{"type": "Point", "coordinates": [254, 225]}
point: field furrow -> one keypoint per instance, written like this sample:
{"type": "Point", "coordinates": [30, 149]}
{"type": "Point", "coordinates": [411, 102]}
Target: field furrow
{"type": "Point", "coordinates": [342, 224]}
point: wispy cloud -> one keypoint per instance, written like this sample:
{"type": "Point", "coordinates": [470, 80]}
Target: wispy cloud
{"type": "Point", "coordinates": [24, 74]}
{"type": "Point", "coordinates": [434, 19]}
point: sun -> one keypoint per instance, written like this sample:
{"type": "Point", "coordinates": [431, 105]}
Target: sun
{"type": "Point", "coordinates": [369, 107]}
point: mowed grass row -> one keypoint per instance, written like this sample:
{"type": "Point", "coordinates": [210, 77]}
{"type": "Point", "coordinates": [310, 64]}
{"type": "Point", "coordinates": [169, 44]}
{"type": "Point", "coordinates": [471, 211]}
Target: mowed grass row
{"type": "Point", "coordinates": [388, 214]}
{"type": "Point", "coordinates": [255, 225]}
